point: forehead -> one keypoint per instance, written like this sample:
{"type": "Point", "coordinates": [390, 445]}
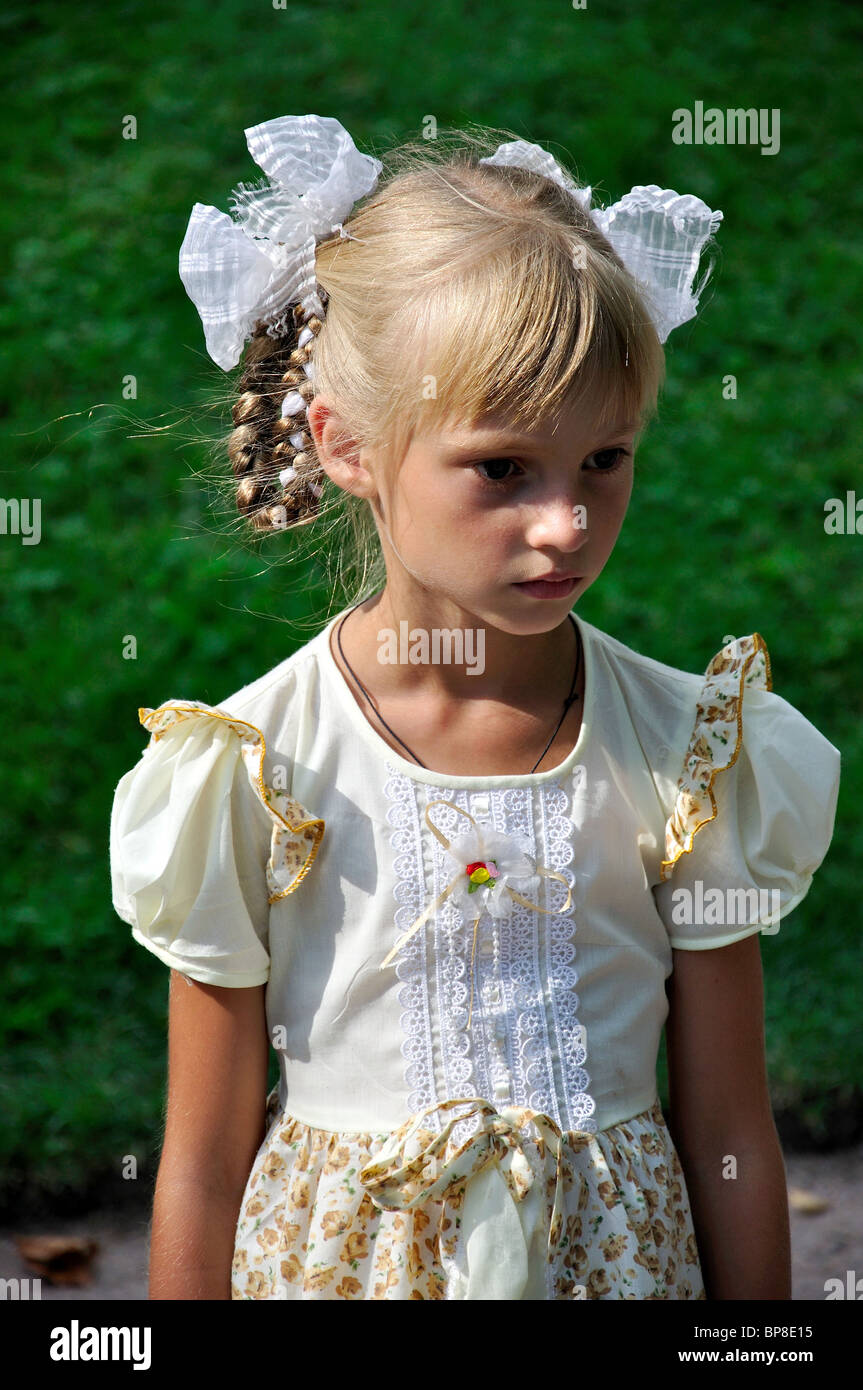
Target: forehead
{"type": "Point", "coordinates": [496, 432]}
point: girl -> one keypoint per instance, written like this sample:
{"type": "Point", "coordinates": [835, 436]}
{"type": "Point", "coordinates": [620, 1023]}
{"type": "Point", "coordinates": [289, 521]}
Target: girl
{"type": "Point", "coordinates": [461, 857]}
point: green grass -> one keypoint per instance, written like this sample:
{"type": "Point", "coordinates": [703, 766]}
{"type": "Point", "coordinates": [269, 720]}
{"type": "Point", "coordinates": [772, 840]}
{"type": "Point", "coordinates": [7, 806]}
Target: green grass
{"type": "Point", "coordinates": [725, 532]}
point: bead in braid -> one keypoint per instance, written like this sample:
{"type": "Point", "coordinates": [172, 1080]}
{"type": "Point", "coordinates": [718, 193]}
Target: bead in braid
{"type": "Point", "coordinates": [271, 448]}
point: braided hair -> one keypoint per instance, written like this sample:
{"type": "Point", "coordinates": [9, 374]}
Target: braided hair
{"type": "Point", "coordinates": [260, 447]}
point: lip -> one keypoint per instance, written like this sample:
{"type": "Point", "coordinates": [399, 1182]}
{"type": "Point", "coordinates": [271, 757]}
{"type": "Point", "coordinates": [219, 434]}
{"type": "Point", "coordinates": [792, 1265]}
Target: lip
{"type": "Point", "coordinates": [548, 588]}
{"type": "Point", "coordinates": [553, 577]}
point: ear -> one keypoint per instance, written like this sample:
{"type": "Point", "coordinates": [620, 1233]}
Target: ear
{"type": "Point", "coordinates": [340, 455]}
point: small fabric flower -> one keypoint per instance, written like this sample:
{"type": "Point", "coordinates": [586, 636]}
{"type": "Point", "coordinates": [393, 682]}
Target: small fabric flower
{"type": "Point", "coordinates": [490, 862]}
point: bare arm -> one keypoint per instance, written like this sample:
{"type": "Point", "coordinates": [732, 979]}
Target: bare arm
{"type": "Point", "coordinates": [720, 1107]}
{"type": "Point", "coordinates": [217, 1079]}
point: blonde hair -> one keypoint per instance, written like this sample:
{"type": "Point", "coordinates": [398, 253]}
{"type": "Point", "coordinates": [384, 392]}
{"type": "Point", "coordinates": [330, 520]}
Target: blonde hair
{"type": "Point", "coordinates": [464, 290]}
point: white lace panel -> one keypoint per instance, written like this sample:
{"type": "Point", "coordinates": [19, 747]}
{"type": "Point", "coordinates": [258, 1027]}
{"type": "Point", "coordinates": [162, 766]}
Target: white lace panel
{"type": "Point", "coordinates": [525, 1045]}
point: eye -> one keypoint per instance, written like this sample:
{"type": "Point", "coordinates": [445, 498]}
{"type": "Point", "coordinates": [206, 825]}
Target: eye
{"type": "Point", "coordinates": [610, 461]}
{"type": "Point", "coordinates": [614, 459]}
{"type": "Point", "coordinates": [496, 481]}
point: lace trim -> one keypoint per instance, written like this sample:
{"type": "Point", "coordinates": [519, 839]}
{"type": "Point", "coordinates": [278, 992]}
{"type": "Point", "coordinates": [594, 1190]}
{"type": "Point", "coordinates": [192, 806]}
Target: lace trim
{"type": "Point", "coordinates": [524, 1031]}
{"type": "Point", "coordinates": [296, 834]}
{"type": "Point", "coordinates": [569, 1043]}
{"type": "Point", "coordinates": [719, 718]}
{"type": "Point", "coordinates": [412, 964]}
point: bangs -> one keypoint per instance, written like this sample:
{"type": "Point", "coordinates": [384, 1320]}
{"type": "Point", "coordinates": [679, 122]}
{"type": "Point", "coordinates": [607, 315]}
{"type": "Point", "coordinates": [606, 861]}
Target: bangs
{"type": "Point", "coordinates": [520, 339]}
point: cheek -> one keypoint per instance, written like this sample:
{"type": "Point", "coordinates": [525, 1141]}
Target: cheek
{"type": "Point", "coordinates": [610, 524]}
{"type": "Point", "coordinates": [462, 537]}
{"type": "Point", "coordinates": [451, 507]}
{"type": "Point", "coordinates": [610, 505]}
{"type": "Point", "coordinates": [425, 495]}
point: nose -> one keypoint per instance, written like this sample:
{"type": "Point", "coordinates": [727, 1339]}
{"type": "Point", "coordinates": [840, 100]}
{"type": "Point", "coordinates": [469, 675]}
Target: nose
{"type": "Point", "coordinates": [559, 522]}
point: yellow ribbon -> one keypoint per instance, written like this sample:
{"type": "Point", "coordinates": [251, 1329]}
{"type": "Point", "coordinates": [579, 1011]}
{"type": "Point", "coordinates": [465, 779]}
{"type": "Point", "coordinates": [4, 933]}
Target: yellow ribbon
{"type": "Point", "coordinates": [442, 897]}
{"type": "Point", "coordinates": [491, 1259]}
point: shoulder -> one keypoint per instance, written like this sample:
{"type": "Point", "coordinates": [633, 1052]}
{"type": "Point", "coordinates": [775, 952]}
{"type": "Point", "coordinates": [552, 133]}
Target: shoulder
{"type": "Point", "coordinates": [202, 796]}
{"type": "Point", "coordinates": [753, 807]}
{"type": "Point", "coordinates": [251, 721]}
{"type": "Point", "coordinates": [682, 712]}
{"type": "Point", "coordinates": [654, 699]}
{"type": "Point", "coordinates": [636, 670]}
{"type": "Point", "coordinates": [747, 785]}
{"type": "Point", "coordinates": [280, 692]}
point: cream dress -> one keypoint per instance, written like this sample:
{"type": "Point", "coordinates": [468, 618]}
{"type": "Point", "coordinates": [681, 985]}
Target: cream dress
{"type": "Point", "coordinates": [466, 975]}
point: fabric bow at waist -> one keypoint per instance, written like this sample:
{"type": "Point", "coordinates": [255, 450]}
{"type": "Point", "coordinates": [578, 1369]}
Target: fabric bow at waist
{"type": "Point", "coordinates": [487, 1257]}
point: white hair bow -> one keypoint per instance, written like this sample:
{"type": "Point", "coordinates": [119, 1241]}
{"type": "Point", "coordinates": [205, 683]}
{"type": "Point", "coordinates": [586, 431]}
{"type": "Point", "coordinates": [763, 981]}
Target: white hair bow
{"type": "Point", "coordinates": [657, 233]}
{"type": "Point", "coordinates": [249, 270]}
{"type": "Point", "coordinates": [240, 273]}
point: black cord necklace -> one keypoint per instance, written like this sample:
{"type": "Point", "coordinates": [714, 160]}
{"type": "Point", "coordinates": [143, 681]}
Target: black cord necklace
{"type": "Point", "coordinates": [571, 697]}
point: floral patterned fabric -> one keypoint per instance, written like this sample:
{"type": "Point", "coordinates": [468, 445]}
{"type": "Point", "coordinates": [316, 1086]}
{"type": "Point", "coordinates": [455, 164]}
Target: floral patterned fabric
{"type": "Point", "coordinates": [333, 1215]}
{"type": "Point", "coordinates": [744, 664]}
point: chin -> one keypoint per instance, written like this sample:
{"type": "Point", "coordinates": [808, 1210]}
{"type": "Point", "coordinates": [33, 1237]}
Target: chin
{"type": "Point", "coordinates": [545, 618]}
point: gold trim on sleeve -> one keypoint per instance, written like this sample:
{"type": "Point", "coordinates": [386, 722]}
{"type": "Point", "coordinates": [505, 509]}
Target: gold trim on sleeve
{"type": "Point", "coordinates": [745, 662]}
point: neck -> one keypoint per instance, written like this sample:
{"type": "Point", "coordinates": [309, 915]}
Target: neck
{"type": "Point", "coordinates": [436, 648]}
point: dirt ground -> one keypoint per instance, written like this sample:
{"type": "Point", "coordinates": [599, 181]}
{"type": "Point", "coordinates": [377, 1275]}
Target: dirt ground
{"type": "Point", "coordinates": [825, 1245]}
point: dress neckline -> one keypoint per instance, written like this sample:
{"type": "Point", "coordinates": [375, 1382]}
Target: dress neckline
{"type": "Point", "coordinates": [382, 749]}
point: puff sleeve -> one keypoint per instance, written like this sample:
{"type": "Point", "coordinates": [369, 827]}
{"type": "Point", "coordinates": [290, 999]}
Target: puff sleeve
{"type": "Point", "coordinates": [754, 810]}
{"type": "Point", "coordinates": [200, 846]}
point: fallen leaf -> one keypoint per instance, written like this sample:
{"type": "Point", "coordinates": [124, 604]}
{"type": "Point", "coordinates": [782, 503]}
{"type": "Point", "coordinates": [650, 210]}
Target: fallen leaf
{"type": "Point", "coordinates": [809, 1203]}
{"type": "Point", "coordinates": [59, 1259]}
